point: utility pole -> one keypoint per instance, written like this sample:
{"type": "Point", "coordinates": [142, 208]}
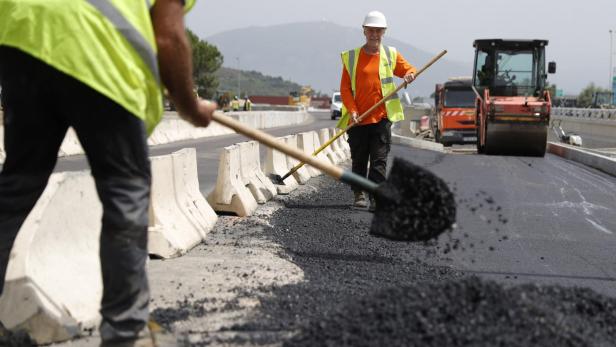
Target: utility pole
{"type": "Point", "coordinates": [239, 78]}
{"type": "Point", "coordinates": [611, 85]}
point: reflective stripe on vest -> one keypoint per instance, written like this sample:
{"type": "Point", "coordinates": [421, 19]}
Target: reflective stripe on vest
{"type": "Point", "coordinates": [134, 37]}
{"type": "Point", "coordinates": [109, 45]}
{"type": "Point", "coordinates": [388, 56]}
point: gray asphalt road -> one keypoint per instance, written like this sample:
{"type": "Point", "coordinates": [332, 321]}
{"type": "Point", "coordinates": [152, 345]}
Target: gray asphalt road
{"type": "Point", "coordinates": [530, 219]}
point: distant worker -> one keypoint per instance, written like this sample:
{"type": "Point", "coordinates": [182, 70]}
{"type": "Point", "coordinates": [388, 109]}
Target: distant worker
{"type": "Point", "coordinates": [95, 66]}
{"type": "Point", "coordinates": [247, 104]}
{"type": "Point", "coordinates": [235, 104]}
{"type": "Point", "coordinates": [367, 75]}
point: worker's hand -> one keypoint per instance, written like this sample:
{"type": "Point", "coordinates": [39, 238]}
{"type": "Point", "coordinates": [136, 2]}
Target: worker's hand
{"type": "Point", "coordinates": [409, 77]}
{"type": "Point", "coordinates": [354, 117]}
{"type": "Point", "coordinates": [203, 113]}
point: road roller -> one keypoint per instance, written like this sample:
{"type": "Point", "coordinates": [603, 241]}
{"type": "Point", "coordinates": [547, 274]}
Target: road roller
{"type": "Point", "coordinates": [513, 101]}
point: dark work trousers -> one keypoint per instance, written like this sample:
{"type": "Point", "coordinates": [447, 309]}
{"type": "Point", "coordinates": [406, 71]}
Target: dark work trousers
{"type": "Point", "coordinates": [40, 103]}
{"type": "Point", "coordinates": [370, 144]}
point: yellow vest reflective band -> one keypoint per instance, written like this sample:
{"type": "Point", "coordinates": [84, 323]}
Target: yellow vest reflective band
{"type": "Point", "coordinates": [108, 45]}
{"type": "Point", "coordinates": [387, 65]}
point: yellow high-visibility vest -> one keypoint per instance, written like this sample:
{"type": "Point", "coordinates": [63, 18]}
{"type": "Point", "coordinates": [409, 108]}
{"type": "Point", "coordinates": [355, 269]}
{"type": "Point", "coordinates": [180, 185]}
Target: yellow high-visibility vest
{"type": "Point", "coordinates": [387, 65]}
{"type": "Point", "coordinates": [108, 45]}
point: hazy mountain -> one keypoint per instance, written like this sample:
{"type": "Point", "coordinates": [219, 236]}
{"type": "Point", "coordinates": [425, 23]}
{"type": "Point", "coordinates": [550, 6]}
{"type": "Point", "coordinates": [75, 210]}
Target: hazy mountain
{"type": "Point", "coordinates": [309, 53]}
{"type": "Point", "coordinates": [253, 83]}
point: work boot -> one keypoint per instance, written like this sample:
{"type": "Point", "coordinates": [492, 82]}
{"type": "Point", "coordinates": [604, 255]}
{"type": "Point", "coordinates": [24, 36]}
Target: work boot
{"type": "Point", "coordinates": [152, 336]}
{"type": "Point", "coordinates": [360, 200]}
{"type": "Point", "coordinates": [372, 207]}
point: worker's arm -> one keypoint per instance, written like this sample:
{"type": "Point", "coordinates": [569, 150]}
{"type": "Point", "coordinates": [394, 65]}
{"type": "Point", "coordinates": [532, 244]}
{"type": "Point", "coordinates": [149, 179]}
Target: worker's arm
{"type": "Point", "coordinates": [175, 62]}
{"type": "Point", "coordinates": [404, 69]}
{"type": "Point", "coordinates": [346, 92]}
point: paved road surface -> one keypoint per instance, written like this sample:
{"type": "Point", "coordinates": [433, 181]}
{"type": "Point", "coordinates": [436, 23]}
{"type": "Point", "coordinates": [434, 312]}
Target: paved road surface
{"type": "Point", "coordinates": [259, 280]}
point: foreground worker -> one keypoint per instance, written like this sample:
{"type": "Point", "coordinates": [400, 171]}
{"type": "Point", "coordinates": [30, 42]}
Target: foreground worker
{"type": "Point", "coordinates": [367, 75]}
{"type": "Point", "coordinates": [93, 65]}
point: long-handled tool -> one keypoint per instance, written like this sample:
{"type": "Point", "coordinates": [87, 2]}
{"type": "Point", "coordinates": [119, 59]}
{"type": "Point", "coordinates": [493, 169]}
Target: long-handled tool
{"type": "Point", "coordinates": [364, 115]}
{"type": "Point", "coordinates": [412, 204]}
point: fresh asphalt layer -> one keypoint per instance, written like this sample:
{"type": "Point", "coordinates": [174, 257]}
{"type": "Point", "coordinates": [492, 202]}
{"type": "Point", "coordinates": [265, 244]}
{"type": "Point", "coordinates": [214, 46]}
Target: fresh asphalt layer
{"type": "Point", "coordinates": [305, 261]}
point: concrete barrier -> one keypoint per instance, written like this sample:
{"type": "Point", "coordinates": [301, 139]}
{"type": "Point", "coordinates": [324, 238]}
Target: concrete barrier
{"type": "Point", "coordinates": [594, 160]}
{"type": "Point", "coordinates": [344, 144]}
{"type": "Point", "coordinates": [180, 218]}
{"type": "Point", "coordinates": [409, 126]}
{"type": "Point", "coordinates": [301, 175]}
{"type": "Point", "coordinates": [336, 147]}
{"type": "Point", "coordinates": [276, 164]}
{"type": "Point", "coordinates": [53, 282]}
{"type": "Point", "coordinates": [230, 193]}
{"type": "Point", "coordinates": [329, 150]}
{"type": "Point", "coordinates": [317, 144]}
{"type": "Point", "coordinates": [416, 143]}
{"type": "Point", "coordinates": [260, 186]}
{"type": "Point", "coordinates": [2, 154]}
{"type": "Point", "coordinates": [305, 141]}
{"type": "Point", "coordinates": [188, 194]}
{"type": "Point", "coordinates": [172, 128]}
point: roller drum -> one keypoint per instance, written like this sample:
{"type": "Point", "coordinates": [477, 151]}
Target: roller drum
{"type": "Point", "coordinates": [506, 138]}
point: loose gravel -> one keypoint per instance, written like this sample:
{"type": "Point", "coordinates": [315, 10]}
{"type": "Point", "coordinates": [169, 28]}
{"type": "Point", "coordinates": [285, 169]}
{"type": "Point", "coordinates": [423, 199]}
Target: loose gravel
{"type": "Point", "coordinates": [468, 312]}
{"type": "Point", "coordinates": [423, 209]}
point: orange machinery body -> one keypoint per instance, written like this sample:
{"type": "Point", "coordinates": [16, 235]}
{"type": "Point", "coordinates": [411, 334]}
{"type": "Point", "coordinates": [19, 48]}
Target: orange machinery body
{"type": "Point", "coordinates": [455, 113]}
{"type": "Point", "coordinates": [512, 119]}
{"type": "Point", "coordinates": [512, 102]}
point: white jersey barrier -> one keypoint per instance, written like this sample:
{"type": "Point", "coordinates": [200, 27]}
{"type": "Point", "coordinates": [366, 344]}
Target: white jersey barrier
{"type": "Point", "coordinates": [329, 150]}
{"type": "Point", "coordinates": [172, 128]}
{"type": "Point", "coordinates": [53, 282]}
{"type": "Point", "coordinates": [336, 146]}
{"type": "Point", "coordinates": [317, 144]}
{"type": "Point", "coordinates": [344, 143]}
{"type": "Point", "coordinates": [180, 218]}
{"type": "Point", "coordinates": [260, 186]}
{"type": "Point", "coordinates": [301, 175]}
{"type": "Point", "coordinates": [305, 142]}
{"type": "Point", "coordinates": [230, 193]}
{"type": "Point", "coordinates": [276, 164]}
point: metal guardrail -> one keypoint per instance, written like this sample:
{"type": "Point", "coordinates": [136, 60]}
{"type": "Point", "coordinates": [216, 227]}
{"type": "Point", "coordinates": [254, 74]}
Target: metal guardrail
{"type": "Point", "coordinates": [586, 113]}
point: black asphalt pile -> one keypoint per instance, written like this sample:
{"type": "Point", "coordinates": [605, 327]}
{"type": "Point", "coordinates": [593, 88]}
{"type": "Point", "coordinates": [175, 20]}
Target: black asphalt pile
{"type": "Point", "coordinates": [415, 204]}
{"type": "Point", "coordinates": [330, 242]}
{"type": "Point", "coordinates": [468, 312]}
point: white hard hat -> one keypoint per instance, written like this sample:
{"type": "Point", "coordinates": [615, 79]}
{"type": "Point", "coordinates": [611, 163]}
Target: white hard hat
{"type": "Point", "coordinates": [375, 19]}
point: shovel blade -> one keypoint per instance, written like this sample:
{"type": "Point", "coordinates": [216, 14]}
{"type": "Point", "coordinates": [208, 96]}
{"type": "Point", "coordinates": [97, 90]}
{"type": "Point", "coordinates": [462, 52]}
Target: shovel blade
{"type": "Point", "coordinates": [413, 204]}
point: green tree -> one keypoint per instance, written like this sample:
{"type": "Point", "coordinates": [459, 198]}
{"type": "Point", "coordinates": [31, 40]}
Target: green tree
{"type": "Point", "coordinates": [585, 97]}
{"type": "Point", "coordinates": [206, 61]}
